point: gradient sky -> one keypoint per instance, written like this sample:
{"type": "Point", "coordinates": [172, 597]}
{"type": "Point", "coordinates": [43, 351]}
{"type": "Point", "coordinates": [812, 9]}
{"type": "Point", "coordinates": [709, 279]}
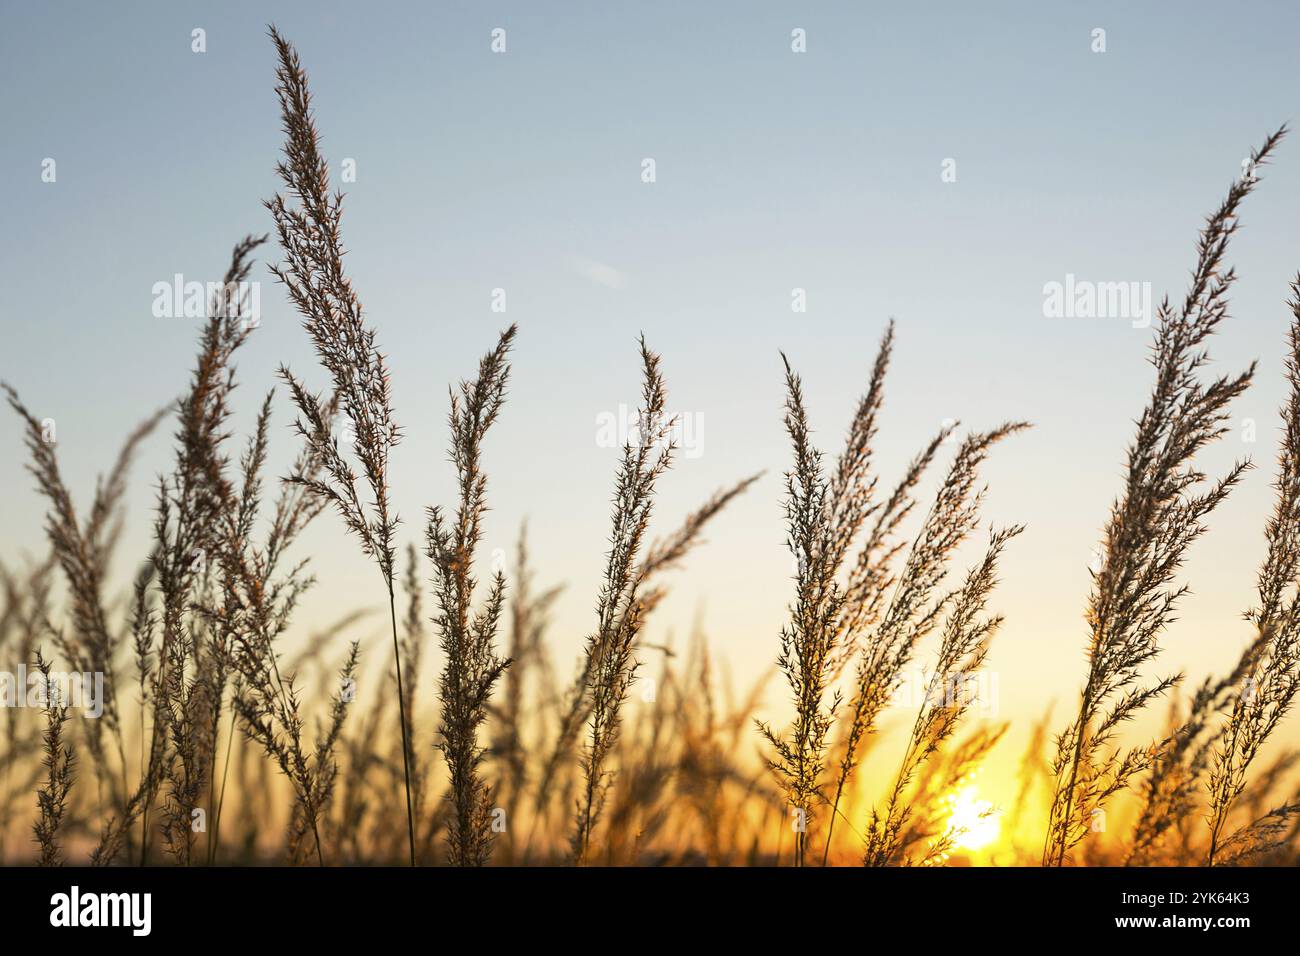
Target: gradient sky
{"type": "Point", "coordinates": [775, 171]}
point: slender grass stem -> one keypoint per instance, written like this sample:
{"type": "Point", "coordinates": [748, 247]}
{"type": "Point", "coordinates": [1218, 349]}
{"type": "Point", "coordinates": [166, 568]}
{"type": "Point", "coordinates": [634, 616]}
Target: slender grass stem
{"type": "Point", "coordinates": [401, 704]}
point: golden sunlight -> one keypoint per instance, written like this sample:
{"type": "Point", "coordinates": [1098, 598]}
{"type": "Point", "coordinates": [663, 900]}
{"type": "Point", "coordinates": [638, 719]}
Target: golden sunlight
{"type": "Point", "coordinates": [973, 822]}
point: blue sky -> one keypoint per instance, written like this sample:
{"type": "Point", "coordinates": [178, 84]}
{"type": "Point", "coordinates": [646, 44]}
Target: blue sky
{"type": "Point", "coordinates": [775, 171]}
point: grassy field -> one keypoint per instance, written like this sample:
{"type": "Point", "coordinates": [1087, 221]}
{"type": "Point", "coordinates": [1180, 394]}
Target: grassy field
{"type": "Point", "coordinates": [215, 745]}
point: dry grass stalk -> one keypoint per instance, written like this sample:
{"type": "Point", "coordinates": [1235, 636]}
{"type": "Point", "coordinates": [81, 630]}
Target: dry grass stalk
{"type": "Point", "coordinates": [23, 623]}
{"type": "Point", "coordinates": [838, 602]}
{"type": "Point", "coordinates": [1178, 769]}
{"type": "Point", "coordinates": [628, 594]}
{"type": "Point", "coordinates": [315, 279]}
{"type": "Point", "coordinates": [823, 517]}
{"type": "Point", "coordinates": [84, 549]}
{"type": "Point", "coordinates": [511, 747]}
{"type": "Point", "coordinates": [949, 694]}
{"type": "Point", "coordinates": [248, 612]}
{"type": "Point", "coordinates": [253, 611]}
{"type": "Point", "coordinates": [606, 691]}
{"type": "Point", "coordinates": [608, 665]}
{"type": "Point", "coordinates": [413, 639]}
{"type": "Point", "coordinates": [1259, 838]}
{"type": "Point", "coordinates": [467, 638]}
{"type": "Point", "coordinates": [60, 767]}
{"type": "Point", "coordinates": [808, 643]}
{"type": "Point", "coordinates": [315, 779]}
{"type": "Point", "coordinates": [913, 610]}
{"type": "Point", "coordinates": [220, 596]}
{"type": "Point", "coordinates": [1266, 782]}
{"type": "Point", "coordinates": [194, 503]}
{"type": "Point", "coordinates": [1157, 517]}
{"type": "Point", "coordinates": [144, 626]}
{"type": "Point", "coordinates": [1274, 677]}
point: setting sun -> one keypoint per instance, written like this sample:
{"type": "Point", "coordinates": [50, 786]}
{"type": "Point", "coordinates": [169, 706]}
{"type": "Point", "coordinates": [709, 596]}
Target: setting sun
{"type": "Point", "coordinates": [974, 822]}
